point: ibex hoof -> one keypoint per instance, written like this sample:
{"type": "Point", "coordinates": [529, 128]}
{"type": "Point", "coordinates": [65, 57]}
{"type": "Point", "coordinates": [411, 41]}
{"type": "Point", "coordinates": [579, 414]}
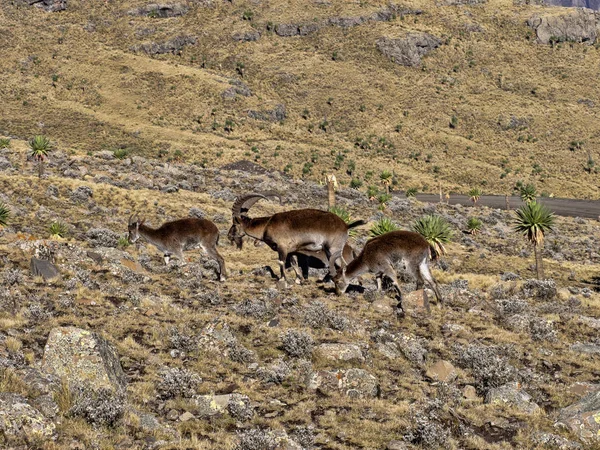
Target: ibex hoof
{"type": "Point", "coordinates": [222, 278]}
{"type": "Point", "coordinates": [298, 281]}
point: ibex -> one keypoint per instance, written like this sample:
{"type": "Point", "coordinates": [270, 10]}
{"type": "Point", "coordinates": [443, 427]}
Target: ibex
{"type": "Point", "coordinates": [381, 253]}
{"type": "Point", "coordinates": [301, 230]}
{"type": "Point", "coordinates": [172, 238]}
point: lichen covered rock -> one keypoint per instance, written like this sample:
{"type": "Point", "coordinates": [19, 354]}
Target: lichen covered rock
{"type": "Point", "coordinates": [20, 422]}
{"type": "Point", "coordinates": [83, 357]}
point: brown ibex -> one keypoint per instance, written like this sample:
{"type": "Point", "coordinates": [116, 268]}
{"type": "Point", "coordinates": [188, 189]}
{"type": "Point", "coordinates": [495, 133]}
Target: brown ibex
{"type": "Point", "coordinates": [301, 230]}
{"type": "Point", "coordinates": [172, 238]}
{"type": "Point", "coordinates": [381, 253]}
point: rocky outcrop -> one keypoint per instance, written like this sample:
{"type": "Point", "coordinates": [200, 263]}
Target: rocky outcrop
{"type": "Point", "coordinates": [386, 14]}
{"type": "Point", "coordinates": [572, 26]}
{"type": "Point", "coordinates": [174, 45]}
{"type": "Point", "coordinates": [356, 383]}
{"type": "Point", "coordinates": [591, 4]}
{"type": "Point", "coordinates": [583, 417]}
{"type": "Point", "coordinates": [84, 358]}
{"type": "Point", "coordinates": [409, 50]}
{"type": "Point", "coordinates": [46, 5]}
{"type": "Point", "coordinates": [277, 114]}
{"type": "Point", "coordinates": [246, 36]}
{"type": "Point", "coordinates": [160, 10]}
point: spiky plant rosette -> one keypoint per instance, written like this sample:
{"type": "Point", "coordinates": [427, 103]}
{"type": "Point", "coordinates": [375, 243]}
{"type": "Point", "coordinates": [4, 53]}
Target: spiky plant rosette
{"type": "Point", "coordinates": [533, 220]}
{"type": "Point", "coordinates": [435, 230]}
{"type": "Point", "coordinates": [382, 226]}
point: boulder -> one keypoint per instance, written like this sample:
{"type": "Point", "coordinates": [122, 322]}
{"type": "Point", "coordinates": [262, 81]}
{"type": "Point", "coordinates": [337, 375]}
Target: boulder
{"type": "Point", "coordinates": [83, 358]}
{"type": "Point", "coordinates": [572, 26]}
{"type": "Point", "coordinates": [246, 36]}
{"type": "Point", "coordinates": [589, 348]}
{"type": "Point", "coordinates": [236, 405]}
{"type": "Point", "coordinates": [356, 383]}
{"type": "Point", "coordinates": [512, 394]}
{"type": "Point", "coordinates": [408, 50]}
{"type": "Point", "coordinates": [43, 268]}
{"type": "Point", "coordinates": [341, 352]}
{"type": "Point", "coordinates": [442, 371]}
{"type": "Point", "coordinates": [582, 417]}
{"type": "Point", "coordinates": [22, 423]}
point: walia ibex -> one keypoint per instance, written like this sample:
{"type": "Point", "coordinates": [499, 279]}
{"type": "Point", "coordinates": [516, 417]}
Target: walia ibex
{"type": "Point", "coordinates": [172, 238]}
{"type": "Point", "coordinates": [381, 253]}
{"type": "Point", "coordinates": [309, 231]}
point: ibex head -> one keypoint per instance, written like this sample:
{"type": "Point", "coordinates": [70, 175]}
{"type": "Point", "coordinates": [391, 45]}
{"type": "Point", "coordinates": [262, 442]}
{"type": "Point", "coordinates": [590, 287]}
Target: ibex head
{"type": "Point", "coordinates": [341, 281]}
{"type": "Point", "coordinates": [134, 228]}
{"type": "Point", "coordinates": [240, 208]}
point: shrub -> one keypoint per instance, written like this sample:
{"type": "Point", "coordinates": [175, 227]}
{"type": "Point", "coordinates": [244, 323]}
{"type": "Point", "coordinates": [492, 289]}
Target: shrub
{"type": "Point", "coordinates": [256, 439]}
{"type": "Point", "coordinates": [278, 372]}
{"type": "Point", "coordinates": [4, 143]}
{"type": "Point", "coordinates": [343, 214]}
{"type": "Point", "coordinates": [474, 225]}
{"type": "Point", "coordinates": [383, 199]}
{"type": "Point", "coordinates": [435, 230]}
{"type": "Point", "coordinates": [475, 194]}
{"type": "Point", "coordinates": [488, 367]}
{"type": "Point", "coordinates": [120, 153]}
{"type": "Point", "coordinates": [101, 407]}
{"type": "Point", "coordinates": [382, 226]}
{"type": "Point", "coordinates": [297, 343]}
{"type": "Point", "coordinates": [4, 214]}
{"type": "Point", "coordinates": [317, 315]}
{"type": "Point", "coordinates": [411, 192]}
{"type": "Point", "coordinates": [40, 146]}
{"type": "Point", "coordinates": [123, 242]}
{"type": "Point", "coordinates": [58, 229]}
{"type": "Point", "coordinates": [528, 192]}
{"type": "Point", "coordinates": [541, 330]}
{"type": "Point", "coordinates": [176, 382]}
{"type": "Point", "coordinates": [355, 183]}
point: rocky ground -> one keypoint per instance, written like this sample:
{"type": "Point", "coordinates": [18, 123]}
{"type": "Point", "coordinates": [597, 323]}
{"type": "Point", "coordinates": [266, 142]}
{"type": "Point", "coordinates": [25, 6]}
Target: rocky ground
{"type": "Point", "coordinates": [103, 346]}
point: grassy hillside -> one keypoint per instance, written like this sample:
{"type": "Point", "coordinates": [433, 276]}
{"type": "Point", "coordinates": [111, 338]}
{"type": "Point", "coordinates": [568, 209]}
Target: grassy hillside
{"type": "Point", "coordinates": [81, 77]}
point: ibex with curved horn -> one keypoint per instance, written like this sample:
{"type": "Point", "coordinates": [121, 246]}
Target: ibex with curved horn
{"type": "Point", "coordinates": [301, 230]}
{"type": "Point", "coordinates": [172, 238]}
{"type": "Point", "coordinates": [379, 256]}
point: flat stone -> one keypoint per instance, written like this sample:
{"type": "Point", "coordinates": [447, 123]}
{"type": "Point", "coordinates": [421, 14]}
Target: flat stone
{"type": "Point", "coordinates": [173, 414]}
{"type": "Point", "coordinates": [341, 352]}
{"type": "Point", "coordinates": [43, 268]}
{"type": "Point", "coordinates": [211, 405]}
{"type": "Point", "coordinates": [94, 256]}
{"type": "Point", "coordinates": [383, 306]}
{"type": "Point", "coordinates": [133, 265]}
{"type": "Point", "coordinates": [582, 389]}
{"type": "Point", "coordinates": [442, 371]}
{"type": "Point", "coordinates": [186, 416]}
{"type": "Point", "coordinates": [589, 348]}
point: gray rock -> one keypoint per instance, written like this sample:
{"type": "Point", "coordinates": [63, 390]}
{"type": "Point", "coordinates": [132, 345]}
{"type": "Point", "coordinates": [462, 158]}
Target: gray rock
{"type": "Point", "coordinates": [83, 358]}
{"type": "Point", "coordinates": [43, 268]}
{"type": "Point", "coordinates": [554, 441]}
{"type": "Point", "coordinates": [276, 114]}
{"type": "Point", "coordinates": [341, 352]}
{"type": "Point", "coordinates": [5, 164]}
{"type": "Point", "coordinates": [582, 417]}
{"type": "Point", "coordinates": [287, 30]}
{"type": "Point", "coordinates": [102, 237]}
{"type": "Point", "coordinates": [174, 45]}
{"type": "Point", "coordinates": [46, 5]}
{"type": "Point", "coordinates": [579, 25]}
{"type": "Point", "coordinates": [591, 4]}
{"type": "Point", "coordinates": [22, 423]}
{"type": "Point", "coordinates": [589, 348]}
{"type": "Point", "coordinates": [351, 382]}
{"type": "Point", "coordinates": [409, 50]}
{"type": "Point", "coordinates": [82, 194]}
{"type": "Point", "coordinates": [246, 36]}
{"type": "Point", "coordinates": [160, 10]}
{"type": "Point", "coordinates": [512, 394]}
